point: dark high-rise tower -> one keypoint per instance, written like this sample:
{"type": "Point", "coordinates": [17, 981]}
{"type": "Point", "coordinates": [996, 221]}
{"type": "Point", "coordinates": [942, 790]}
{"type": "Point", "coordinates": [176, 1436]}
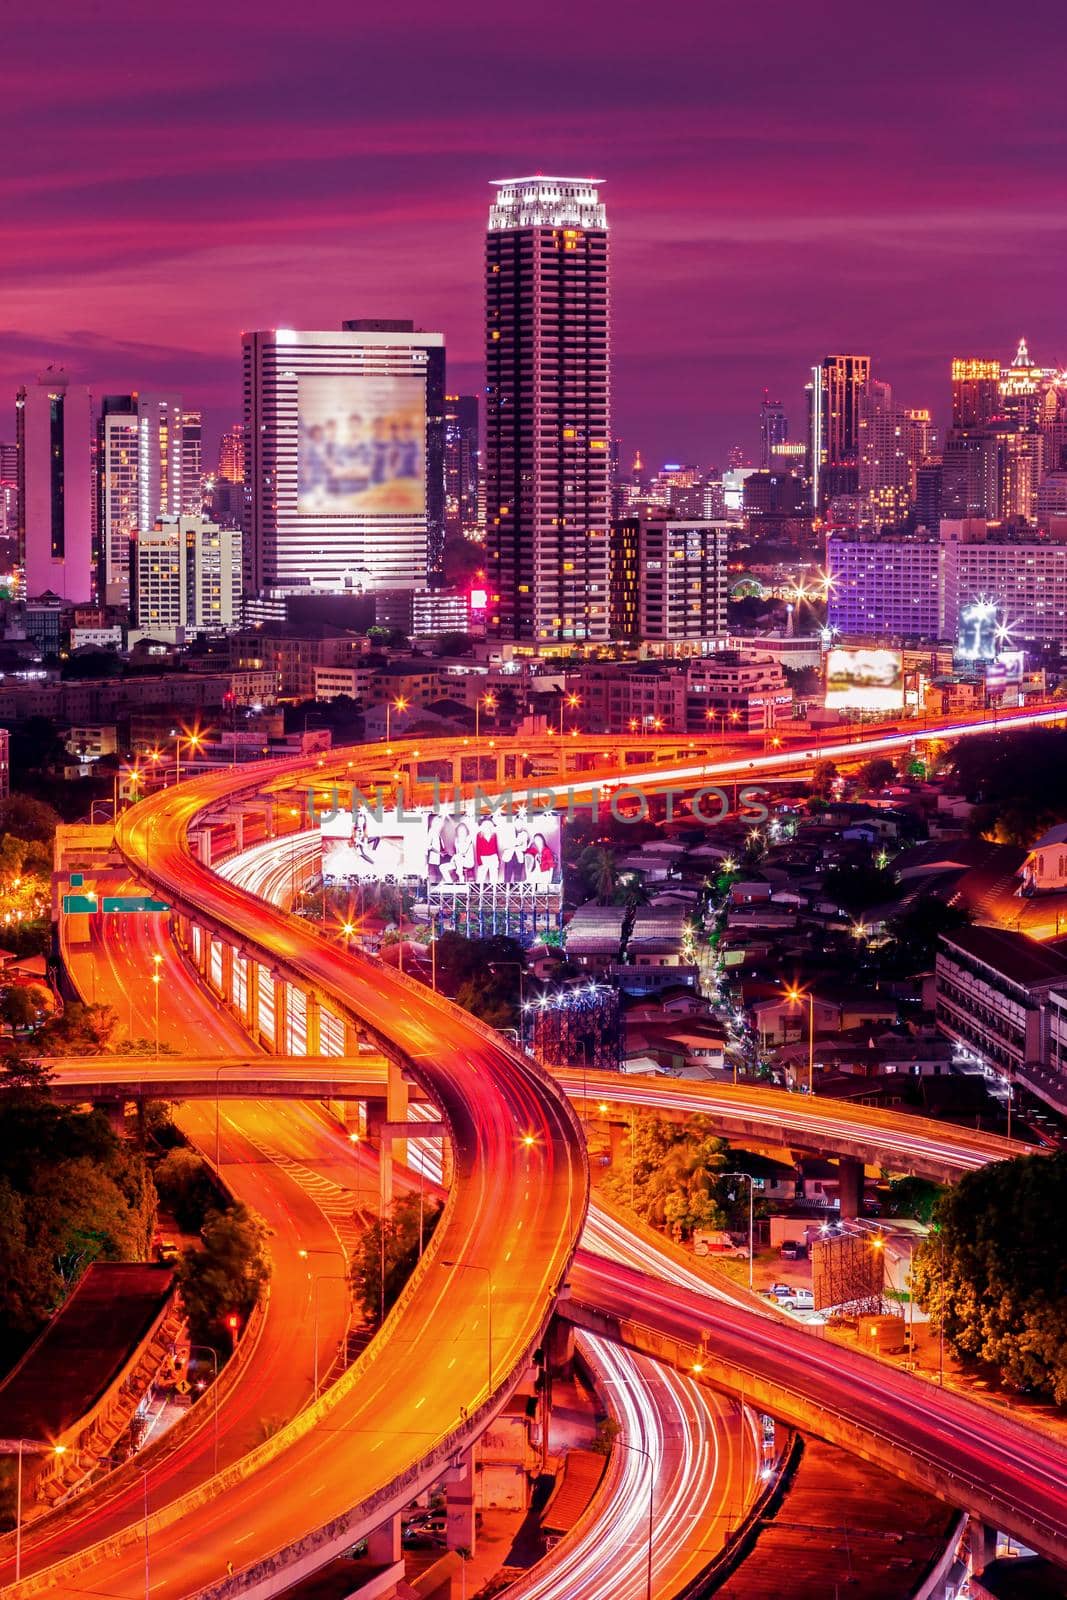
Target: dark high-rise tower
{"type": "Point", "coordinates": [548, 439]}
{"type": "Point", "coordinates": [836, 387]}
{"type": "Point", "coordinates": [462, 463]}
{"type": "Point", "coordinates": [773, 430]}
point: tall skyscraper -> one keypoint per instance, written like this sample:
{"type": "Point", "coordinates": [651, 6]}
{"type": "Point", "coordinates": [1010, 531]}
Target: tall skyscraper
{"type": "Point", "coordinates": [834, 394]}
{"type": "Point", "coordinates": [462, 463]}
{"type": "Point", "coordinates": [773, 430]}
{"type": "Point", "coordinates": [192, 463]}
{"type": "Point", "coordinates": [345, 458]}
{"type": "Point", "coordinates": [55, 519]}
{"type": "Point", "coordinates": [139, 459]}
{"type": "Point", "coordinates": [548, 430]}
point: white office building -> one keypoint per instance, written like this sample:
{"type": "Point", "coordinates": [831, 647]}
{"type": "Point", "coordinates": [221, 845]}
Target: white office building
{"type": "Point", "coordinates": [140, 456]}
{"type": "Point", "coordinates": [344, 463]}
{"type": "Point", "coordinates": [55, 501]}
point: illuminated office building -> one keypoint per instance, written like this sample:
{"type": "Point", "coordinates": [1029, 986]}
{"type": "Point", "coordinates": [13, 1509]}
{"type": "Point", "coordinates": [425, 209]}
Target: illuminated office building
{"type": "Point", "coordinates": [834, 393]}
{"type": "Point", "coordinates": [548, 430]}
{"type": "Point", "coordinates": [231, 467]}
{"type": "Point", "coordinates": [344, 458]}
{"type": "Point", "coordinates": [55, 494]}
{"type": "Point", "coordinates": [192, 462]}
{"type": "Point", "coordinates": [975, 392]}
{"type": "Point", "coordinates": [140, 452]}
{"type": "Point", "coordinates": [185, 578]}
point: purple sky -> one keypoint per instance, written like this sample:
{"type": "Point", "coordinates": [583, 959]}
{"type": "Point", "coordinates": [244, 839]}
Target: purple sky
{"type": "Point", "coordinates": [783, 180]}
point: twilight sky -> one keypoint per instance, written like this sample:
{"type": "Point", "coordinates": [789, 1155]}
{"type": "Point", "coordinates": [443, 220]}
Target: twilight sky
{"type": "Point", "coordinates": [783, 180]}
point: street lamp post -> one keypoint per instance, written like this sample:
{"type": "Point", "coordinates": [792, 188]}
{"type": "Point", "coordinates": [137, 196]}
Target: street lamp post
{"type": "Point", "coordinates": [157, 979]}
{"type": "Point", "coordinates": [751, 1213]}
{"type": "Point", "coordinates": [35, 1447]}
{"type": "Point", "coordinates": [473, 1266]}
{"type": "Point", "coordinates": [641, 1451]}
{"type": "Point", "coordinates": [399, 704]}
{"type": "Point", "coordinates": [572, 702]}
{"type": "Point", "coordinates": [325, 1277]}
{"type": "Point", "coordinates": [795, 996]}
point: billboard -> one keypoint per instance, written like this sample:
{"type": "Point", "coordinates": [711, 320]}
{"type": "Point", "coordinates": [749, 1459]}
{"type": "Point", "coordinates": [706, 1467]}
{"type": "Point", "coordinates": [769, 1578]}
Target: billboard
{"type": "Point", "coordinates": [449, 851]}
{"type": "Point", "coordinates": [864, 679]}
{"type": "Point", "coordinates": [362, 446]}
{"type": "Point", "coordinates": [978, 630]}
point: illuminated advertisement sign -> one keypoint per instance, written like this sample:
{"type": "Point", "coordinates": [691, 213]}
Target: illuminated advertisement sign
{"type": "Point", "coordinates": [864, 680]}
{"type": "Point", "coordinates": [978, 630]}
{"type": "Point", "coordinates": [362, 448]}
{"type": "Point", "coordinates": [450, 851]}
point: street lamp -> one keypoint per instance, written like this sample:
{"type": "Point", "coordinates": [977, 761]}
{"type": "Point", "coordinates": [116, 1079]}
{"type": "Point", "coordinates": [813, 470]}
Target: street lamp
{"type": "Point", "coordinates": [325, 1277]}
{"type": "Point", "coordinates": [194, 741]}
{"type": "Point", "coordinates": [751, 1213]}
{"type": "Point", "coordinates": [641, 1451]}
{"type": "Point", "coordinates": [399, 704]}
{"type": "Point", "coordinates": [795, 996]}
{"type": "Point", "coordinates": [572, 702]}
{"type": "Point", "coordinates": [157, 979]}
{"type": "Point", "coordinates": [35, 1447]}
{"type": "Point", "coordinates": [473, 1266]}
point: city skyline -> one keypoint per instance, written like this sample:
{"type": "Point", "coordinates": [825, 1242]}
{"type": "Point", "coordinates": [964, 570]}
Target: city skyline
{"type": "Point", "coordinates": [833, 187]}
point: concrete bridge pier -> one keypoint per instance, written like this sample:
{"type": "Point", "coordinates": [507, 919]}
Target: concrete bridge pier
{"type": "Point", "coordinates": [982, 1544]}
{"type": "Point", "coordinates": [281, 1014]}
{"type": "Point", "coordinates": [312, 1025]}
{"type": "Point", "coordinates": [384, 1545]}
{"type": "Point", "coordinates": [559, 1347]}
{"type": "Point", "coordinates": [115, 1112]}
{"type": "Point", "coordinates": [250, 1017]}
{"type": "Point", "coordinates": [850, 1172]}
{"type": "Point", "coordinates": [460, 1521]}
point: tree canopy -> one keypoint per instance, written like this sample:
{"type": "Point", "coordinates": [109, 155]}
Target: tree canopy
{"type": "Point", "coordinates": [1018, 779]}
{"type": "Point", "coordinates": [227, 1276]}
{"type": "Point", "coordinates": [71, 1192]}
{"type": "Point", "coordinates": [993, 1273]}
{"type": "Point", "coordinates": [673, 1173]}
{"type": "Point", "coordinates": [397, 1244]}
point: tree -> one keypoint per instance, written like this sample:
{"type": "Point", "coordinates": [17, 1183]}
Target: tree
{"type": "Point", "coordinates": [186, 1187]}
{"type": "Point", "coordinates": [71, 1193]}
{"type": "Point", "coordinates": [917, 930]}
{"type": "Point", "coordinates": [22, 1007]}
{"type": "Point", "coordinates": [597, 868]}
{"type": "Point", "coordinates": [823, 777]}
{"type": "Point", "coordinates": [913, 1197]}
{"type": "Point", "coordinates": [877, 773]}
{"type": "Point", "coordinates": [672, 1174]}
{"type": "Point", "coordinates": [453, 644]}
{"type": "Point", "coordinates": [397, 1244]}
{"type": "Point", "coordinates": [79, 1030]}
{"type": "Point", "coordinates": [227, 1276]}
{"type": "Point", "coordinates": [993, 1274]}
{"type": "Point", "coordinates": [1018, 778]}
{"type": "Point", "coordinates": [26, 817]}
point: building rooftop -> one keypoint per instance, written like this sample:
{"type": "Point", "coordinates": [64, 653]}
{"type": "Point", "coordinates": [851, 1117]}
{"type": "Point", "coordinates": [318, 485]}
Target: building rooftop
{"type": "Point", "coordinates": [1018, 959]}
{"type": "Point", "coordinates": [83, 1349]}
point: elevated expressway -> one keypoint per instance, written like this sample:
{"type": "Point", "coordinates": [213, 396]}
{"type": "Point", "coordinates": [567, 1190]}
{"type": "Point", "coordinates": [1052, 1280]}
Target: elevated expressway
{"type": "Point", "coordinates": [741, 1112]}
{"type": "Point", "coordinates": [423, 1390]}
{"type": "Point", "coordinates": [345, 1465]}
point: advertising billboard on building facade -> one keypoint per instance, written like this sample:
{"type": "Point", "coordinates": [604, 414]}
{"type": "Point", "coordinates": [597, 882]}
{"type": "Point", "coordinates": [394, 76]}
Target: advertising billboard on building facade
{"type": "Point", "coordinates": [864, 679]}
{"type": "Point", "coordinates": [362, 446]}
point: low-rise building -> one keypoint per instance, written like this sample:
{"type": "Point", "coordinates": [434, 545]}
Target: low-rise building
{"type": "Point", "coordinates": [1045, 869]}
{"type": "Point", "coordinates": [992, 994]}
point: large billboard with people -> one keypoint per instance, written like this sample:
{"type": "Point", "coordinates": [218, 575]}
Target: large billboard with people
{"type": "Point", "coordinates": [860, 679]}
{"type": "Point", "coordinates": [362, 446]}
{"type": "Point", "coordinates": [450, 851]}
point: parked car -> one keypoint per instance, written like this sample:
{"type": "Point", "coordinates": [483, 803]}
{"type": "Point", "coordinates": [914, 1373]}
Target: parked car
{"type": "Point", "coordinates": [778, 1290]}
{"type": "Point", "coordinates": [798, 1300]}
{"type": "Point", "coordinates": [793, 1250]}
{"type": "Point", "coordinates": [166, 1250]}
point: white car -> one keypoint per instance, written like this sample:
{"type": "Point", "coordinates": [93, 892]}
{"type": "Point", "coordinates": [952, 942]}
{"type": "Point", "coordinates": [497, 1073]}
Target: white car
{"type": "Point", "coordinates": [797, 1300]}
